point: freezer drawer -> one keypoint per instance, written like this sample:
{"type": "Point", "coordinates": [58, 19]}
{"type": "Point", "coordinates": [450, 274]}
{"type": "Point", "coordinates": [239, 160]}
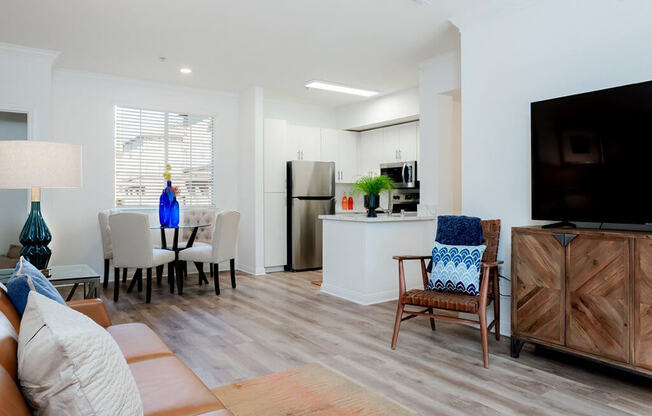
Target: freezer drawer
{"type": "Point", "coordinates": [305, 248]}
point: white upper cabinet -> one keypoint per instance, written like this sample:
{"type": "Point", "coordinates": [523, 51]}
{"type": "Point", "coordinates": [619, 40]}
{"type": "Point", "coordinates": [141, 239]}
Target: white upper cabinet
{"type": "Point", "coordinates": [370, 155]}
{"type": "Point", "coordinates": [391, 144]}
{"type": "Point", "coordinates": [409, 141]}
{"type": "Point", "coordinates": [340, 147]}
{"type": "Point", "coordinates": [274, 144]}
{"type": "Point", "coordinates": [348, 156]}
{"type": "Point", "coordinates": [303, 143]}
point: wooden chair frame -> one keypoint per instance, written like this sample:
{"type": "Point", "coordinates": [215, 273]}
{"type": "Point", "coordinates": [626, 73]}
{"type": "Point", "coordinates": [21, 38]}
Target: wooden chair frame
{"type": "Point", "coordinates": [488, 276]}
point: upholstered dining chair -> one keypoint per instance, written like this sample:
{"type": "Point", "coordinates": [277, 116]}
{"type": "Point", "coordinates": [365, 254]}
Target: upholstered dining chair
{"type": "Point", "coordinates": [222, 248]}
{"type": "Point", "coordinates": [132, 245]}
{"type": "Point", "coordinates": [433, 300]}
{"type": "Point", "coordinates": [204, 235]}
{"type": "Point", "coordinates": [105, 233]}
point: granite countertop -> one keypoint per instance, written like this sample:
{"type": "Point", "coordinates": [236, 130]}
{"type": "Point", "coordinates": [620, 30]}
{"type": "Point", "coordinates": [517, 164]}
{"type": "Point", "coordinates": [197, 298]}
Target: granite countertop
{"type": "Point", "coordinates": [380, 218]}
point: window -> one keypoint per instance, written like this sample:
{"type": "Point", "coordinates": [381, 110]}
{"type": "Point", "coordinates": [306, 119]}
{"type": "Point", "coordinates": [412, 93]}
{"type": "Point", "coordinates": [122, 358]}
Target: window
{"type": "Point", "coordinates": [146, 140]}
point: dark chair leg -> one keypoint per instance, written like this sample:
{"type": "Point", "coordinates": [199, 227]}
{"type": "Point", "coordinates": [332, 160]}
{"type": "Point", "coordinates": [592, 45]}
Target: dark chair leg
{"type": "Point", "coordinates": [124, 275]}
{"type": "Point", "coordinates": [211, 268]}
{"type": "Point", "coordinates": [139, 275]}
{"type": "Point", "coordinates": [397, 323]}
{"type": "Point", "coordinates": [482, 314]}
{"type": "Point", "coordinates": [185, 269]}
{"type": "Point", "coordinates": [232, 265]}
{"type": "Point", "coordinates": [216, 273]}
{"type": "Point", "coordinates": [116, 283]}
{"type": "Point", "coordinates": [134, 281]}
{"type": "Point", "coordinates": [159, 274]}
{"type": "Point", "coordinates": [105, 284]}
{"type": "Point", "coordinates": [148, 295]}
{"type": "Point", "coordinates": [200, 272]}
{"type": "Point", "coordinates": [171, 276]}
{"type": "Point", "coordinates": [179, 278]}
{"type": "Point", "coordinates": [432, 320]}
{"type": "Point", "coordinates": [497, 303]}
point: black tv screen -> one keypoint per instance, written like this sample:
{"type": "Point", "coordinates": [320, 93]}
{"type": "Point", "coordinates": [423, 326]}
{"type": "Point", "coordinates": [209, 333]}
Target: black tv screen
{"type": "Point", "coordinates": [592, 156]}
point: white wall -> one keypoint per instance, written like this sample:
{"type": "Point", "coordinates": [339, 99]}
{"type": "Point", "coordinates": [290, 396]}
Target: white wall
{"type": "Point", "coordinates": [251, 250]}
{"type": "Point", "coordinates": [300, 114]}
{"type": "Point", "coordinates": [374, 112]}
{"type": "Point", "coordinates": [83, 113]}
{"type": "Point", "coordinates": [438, 145]}
{"type": "Point", "coordinates": [25, 86]}
{"type": "Point", "coordinates": [548, 49]}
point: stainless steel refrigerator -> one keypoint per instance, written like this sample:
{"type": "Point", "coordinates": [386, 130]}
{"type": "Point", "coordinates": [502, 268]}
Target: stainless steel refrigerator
{"type": "Point", "coordinates": [311, 193]}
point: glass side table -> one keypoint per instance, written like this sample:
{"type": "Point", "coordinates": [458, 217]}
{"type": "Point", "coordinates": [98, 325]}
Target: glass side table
{"type": "Point", "coordinates": [68, 276]}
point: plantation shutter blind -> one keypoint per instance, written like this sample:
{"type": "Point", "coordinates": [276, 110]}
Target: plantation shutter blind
{"type": "Point", "coordinates": [147, 140]}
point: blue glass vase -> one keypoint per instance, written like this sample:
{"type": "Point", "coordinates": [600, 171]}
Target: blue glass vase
{"type": "Point", "coordinates": [174, 212]}
{"type": "Point", "coordinates": [164, 205]}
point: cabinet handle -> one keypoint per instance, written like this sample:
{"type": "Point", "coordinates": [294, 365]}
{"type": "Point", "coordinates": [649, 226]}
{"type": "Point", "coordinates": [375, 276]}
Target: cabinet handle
{"type": "Point", "coordinates": [298, 155]}
{"type": "Point", "coordinates": [395, 154]}
{"type": "Point", "coordinates": [302, 155]}
{"type": "Point", "coordinates": [400, 156]}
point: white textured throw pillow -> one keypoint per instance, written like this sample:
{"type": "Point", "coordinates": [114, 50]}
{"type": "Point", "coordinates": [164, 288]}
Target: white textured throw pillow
{"type": "Point", "coordinates": [69, 365]}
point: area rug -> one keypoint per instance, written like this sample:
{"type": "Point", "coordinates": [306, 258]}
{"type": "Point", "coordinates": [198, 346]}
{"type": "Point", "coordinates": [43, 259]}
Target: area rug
{"type": "Point", "coordinates": [309, 390]}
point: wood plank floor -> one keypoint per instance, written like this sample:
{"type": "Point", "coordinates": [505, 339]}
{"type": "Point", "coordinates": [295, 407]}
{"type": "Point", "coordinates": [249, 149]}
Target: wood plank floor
{"type": "Point", "coordinates": [279, 321]}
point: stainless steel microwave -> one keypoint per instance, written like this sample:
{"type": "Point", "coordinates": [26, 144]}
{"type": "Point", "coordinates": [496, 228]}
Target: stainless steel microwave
{"type": "Point", "coordinates": [404, 174]}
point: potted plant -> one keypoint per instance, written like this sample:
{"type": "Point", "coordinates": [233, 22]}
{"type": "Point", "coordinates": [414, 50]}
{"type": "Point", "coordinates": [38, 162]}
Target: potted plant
{"type": "Point", "coordinates": [372, 187]}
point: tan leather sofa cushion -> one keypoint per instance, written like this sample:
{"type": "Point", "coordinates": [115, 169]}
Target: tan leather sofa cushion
{"type": "Point", "coordinates": [138, 342]}
{"type": "Point", "coordinates": [11, 401]}
{"type": "Point", "coordinates": [9, 326]}
{"type": "Point", "coordinates": [94, 309]}
{"type": "Point", "coordinates": [168, 388]}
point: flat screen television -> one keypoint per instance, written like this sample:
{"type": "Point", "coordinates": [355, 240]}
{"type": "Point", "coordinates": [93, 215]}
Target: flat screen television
{"type": "Point", "coordinates": [592, 156]}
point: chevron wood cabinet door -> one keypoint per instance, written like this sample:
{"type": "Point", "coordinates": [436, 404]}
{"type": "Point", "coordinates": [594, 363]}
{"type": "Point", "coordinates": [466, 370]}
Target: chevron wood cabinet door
{"type": "Point", "coordinates": [643, 303]}
{"type": "Point", "coordinates": [537, 286]}
{"type": "Point", "coordinates": [597, 296]}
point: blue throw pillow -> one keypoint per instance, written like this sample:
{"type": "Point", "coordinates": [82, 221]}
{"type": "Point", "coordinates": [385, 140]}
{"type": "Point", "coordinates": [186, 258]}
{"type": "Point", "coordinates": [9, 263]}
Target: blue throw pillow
{"type": "Point", "coordinates": [456, 269]}
{"type": "Point", "coordinates": [18, 286]}
{"type": "Point", "coordinates": [459, 230]}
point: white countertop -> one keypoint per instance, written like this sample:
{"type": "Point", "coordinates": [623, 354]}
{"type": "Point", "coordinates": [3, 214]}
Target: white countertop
{"type": "Point", "coordinates": [379, 218]}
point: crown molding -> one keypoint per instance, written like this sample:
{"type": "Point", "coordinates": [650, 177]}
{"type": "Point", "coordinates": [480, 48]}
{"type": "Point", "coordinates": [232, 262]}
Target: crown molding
{"type": "Point", "coordinates": [28, 51]}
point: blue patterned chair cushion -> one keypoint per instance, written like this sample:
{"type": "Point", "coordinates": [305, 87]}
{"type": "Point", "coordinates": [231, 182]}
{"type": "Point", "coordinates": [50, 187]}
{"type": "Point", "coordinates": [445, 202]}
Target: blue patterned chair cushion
{"type": "Point", "coordinates": [459, 230]}
{"type": "Point", "coordinates": [456, 268]}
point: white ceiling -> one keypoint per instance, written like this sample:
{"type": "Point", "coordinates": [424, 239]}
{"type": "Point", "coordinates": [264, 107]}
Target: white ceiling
{"type": "Point", "coordinates": [232, 44]}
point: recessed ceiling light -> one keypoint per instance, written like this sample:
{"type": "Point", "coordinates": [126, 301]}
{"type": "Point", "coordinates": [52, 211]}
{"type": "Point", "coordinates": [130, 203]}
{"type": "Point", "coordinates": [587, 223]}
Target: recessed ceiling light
{"type": "Point", "coordinates": [329, 86]}
{"type": "Point", "coordinates": [185, 71]}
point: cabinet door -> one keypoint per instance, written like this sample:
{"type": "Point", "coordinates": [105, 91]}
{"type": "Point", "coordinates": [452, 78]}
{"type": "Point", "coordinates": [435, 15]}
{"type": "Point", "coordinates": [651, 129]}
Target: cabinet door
{"type": "Point", "coordinates": [310, 144]}
{"type": "Point", "coordinates": [275, 229]}
{"type": "Point", "coordinates": [274, 138]}
{"type": "Point", "coordinates": [371, 152]}
{"type": "Point", "coordinates": [537, 287]}
{"type": "Point", "coordinates": [643, 303]}
{"type": "Point", "coordinates": [408, 142]}
{"type": "Point", "coordinates": [348, 151]}
{"type": "Point", "coordinates": [293, 142]}
{"type": "Point", "coordinates": [597, 296]}
{"type": "Point", "coordinates": [391, 143]}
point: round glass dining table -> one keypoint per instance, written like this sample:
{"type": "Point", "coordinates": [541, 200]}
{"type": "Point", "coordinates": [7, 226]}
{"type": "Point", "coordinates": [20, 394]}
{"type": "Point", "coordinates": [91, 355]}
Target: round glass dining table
{"type": "Point", "coordinates": [175, 248]}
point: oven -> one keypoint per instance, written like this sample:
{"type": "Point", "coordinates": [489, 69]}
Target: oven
{"type": "Point", "coordinates": [404, 174]}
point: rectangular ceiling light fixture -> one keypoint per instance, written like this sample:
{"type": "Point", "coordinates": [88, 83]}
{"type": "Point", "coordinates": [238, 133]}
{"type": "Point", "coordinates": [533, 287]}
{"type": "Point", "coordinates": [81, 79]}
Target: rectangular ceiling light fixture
{"type": "Point", "coordinates": [329, 86]}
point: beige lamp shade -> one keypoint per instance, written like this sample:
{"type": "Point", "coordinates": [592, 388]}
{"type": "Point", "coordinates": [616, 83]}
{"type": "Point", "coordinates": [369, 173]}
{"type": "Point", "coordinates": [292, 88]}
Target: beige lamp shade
{"type": "Point", "coordinates": [27, 163]}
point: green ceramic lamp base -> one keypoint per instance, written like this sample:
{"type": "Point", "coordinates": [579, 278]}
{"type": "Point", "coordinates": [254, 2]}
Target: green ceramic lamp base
{"type": "Point", "coordinates": [36, 236]}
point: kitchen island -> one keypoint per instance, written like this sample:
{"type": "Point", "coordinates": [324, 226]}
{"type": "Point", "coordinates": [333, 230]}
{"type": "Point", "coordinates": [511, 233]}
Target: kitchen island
{"type": "Point", "coordinates": [357, 254]}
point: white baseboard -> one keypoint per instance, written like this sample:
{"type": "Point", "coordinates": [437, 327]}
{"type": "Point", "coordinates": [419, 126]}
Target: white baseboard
{"type": "Point", "coordinates": [360, 298]}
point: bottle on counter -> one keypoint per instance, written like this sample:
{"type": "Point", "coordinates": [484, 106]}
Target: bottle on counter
{"type": "Point", "coordinates": [350, 204]}
{"type": "Point", "coordinates": [345, 203]}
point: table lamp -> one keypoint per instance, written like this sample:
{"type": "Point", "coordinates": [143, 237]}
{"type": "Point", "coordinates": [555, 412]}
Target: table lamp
{"type": "Point", "coordinates": [28, 164]}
